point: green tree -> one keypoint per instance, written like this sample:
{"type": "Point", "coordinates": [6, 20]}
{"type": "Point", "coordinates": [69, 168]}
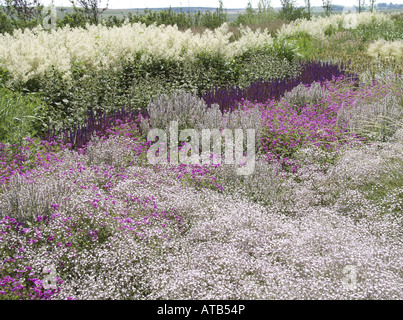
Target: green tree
{"type": "Point", "coordinates": [265, 13]}
{"type": "Point", "coordinates": [308, 7]}
{"type": "Point", "coordinates": [76, 19]}
{"type": "Point", "coordinates": [290, 12]}
{"type": "Point", "coordinates": [361, 4]}
{"type": "Point", "coordinates": [215, 19]}
{"type": "Point", "coordinates": [23, 10]}
{"type": "Point", "coordinates": [372, 5]}
{"type": "Point", "coordinates": [327, 6]}
{"type": "Point", "coordinates": [19, 14]}
{"type": "Point", "coordinates": [93, 9]}
{"type": "Point", "coordinates": [263, 6]}
{"type": "Point", "coordinates": [249, 9]}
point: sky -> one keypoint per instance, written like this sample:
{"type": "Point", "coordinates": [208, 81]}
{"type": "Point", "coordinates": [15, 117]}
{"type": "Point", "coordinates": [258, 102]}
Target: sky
{"type": "Point", "coordinates": [229, 4]}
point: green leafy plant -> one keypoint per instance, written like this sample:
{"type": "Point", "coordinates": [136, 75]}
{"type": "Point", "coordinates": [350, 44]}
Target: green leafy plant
{"type": "Point", "coordinates": [21, 116]}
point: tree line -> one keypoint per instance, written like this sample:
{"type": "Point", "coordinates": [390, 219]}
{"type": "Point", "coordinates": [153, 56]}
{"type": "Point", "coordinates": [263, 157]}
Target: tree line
{"type": "Point", "coordinates": [20, 14]}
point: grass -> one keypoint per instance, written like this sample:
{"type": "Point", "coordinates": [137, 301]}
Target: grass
{"type": "Point", "coordinates": [20, 116]}
{"type": "Point", "coordinates": [387, 191]}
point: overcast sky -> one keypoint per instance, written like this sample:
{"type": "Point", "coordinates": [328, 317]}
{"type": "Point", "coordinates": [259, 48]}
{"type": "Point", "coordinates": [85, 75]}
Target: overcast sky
{"type": "Point", "coordinates": [121, 4]}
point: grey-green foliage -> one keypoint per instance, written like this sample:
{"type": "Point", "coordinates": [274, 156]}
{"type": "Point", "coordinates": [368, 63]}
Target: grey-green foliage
{"type": "Point", "coordinates": [21, 116]}
{"type": "Point", "coordinates": [267, 67]}
{"type": "Point", "coordinates": [114, 151]}
{"type": "Point", "coordinates": [244, 119]}
{"type": "Point", "coordinates": [186, 108]}
{"type": "Point", "coordinates": [265, 185]}
{"type": "Point", "coordinates": [399, 135]}
{"type": "Point", "coordinates": [26, 201]}
{"type": "Point", "coordinates": [379, 120]}
{"type": "Point", "coordinates": [191, 112]}
{"type": "Point", "coordinates": [213, 118]}
{"type": "Point", "coordinates": [301, 95]}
